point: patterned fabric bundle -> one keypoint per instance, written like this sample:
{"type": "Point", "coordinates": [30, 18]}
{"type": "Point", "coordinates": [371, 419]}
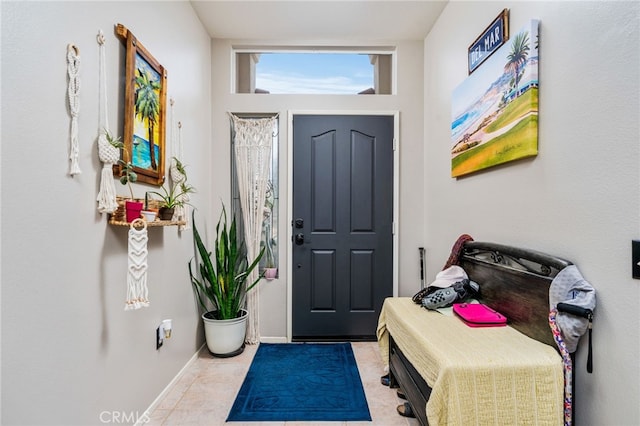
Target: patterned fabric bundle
{"type": "Point", "coordinates": [569, 324]}
{"type": "Point", "coordinates": [456, 250]}
{"type": "Point", "coordinates": [567, 365]}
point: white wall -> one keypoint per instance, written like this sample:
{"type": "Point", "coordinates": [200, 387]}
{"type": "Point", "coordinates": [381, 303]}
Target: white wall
{"type": "Point", "coordinates": [273, 295]}
{"type": "Point", "coordinates": [69, 350]}
{"type": "Point", "coordinates": [579, 198]}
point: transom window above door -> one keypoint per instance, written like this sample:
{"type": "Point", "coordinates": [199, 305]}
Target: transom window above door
{"type": "Point", "coordinates": [309, 72]}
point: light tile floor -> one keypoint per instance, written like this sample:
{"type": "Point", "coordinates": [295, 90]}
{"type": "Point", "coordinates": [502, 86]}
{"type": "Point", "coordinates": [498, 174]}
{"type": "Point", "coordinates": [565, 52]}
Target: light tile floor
{"type": "Point", "coordinates": [205, 393]}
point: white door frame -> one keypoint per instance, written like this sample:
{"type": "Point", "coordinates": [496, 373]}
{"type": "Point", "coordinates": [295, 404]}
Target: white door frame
{"type": "Point", "coordinates": [396, 196]}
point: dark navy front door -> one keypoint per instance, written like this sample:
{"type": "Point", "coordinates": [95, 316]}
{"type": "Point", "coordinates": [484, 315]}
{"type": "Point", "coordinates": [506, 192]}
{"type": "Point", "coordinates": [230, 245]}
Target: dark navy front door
{"type": "Point", "coordinates": [342, 225]}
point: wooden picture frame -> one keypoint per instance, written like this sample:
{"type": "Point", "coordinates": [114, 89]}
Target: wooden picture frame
{"type": "Point", "coordinates": [145, 105]}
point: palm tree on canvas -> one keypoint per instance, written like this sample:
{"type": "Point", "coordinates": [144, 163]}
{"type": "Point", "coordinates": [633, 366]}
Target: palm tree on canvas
{"type": "Point", "coordinates": [147, 104]}
{"type": "Point", "coordinates": [517, 58]}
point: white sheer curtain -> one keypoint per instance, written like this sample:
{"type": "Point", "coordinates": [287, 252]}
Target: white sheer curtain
{"type": "Point", "coordinates": [252, 149]}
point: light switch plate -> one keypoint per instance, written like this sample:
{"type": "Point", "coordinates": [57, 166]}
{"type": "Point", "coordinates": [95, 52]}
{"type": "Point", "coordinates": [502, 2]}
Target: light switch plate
{"type": "Point", "coordinates": [635, 259]}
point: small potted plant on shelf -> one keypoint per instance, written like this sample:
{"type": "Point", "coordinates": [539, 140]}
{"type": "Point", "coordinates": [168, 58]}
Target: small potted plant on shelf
{"type": "Point", "coordinates": [127, 176]}
{"type": "Point", "coordinates": [172, 198]}
{"type": "Point", "coordinates": [149, 213]}
{"type": "Point", "coordinates": [221, 285]}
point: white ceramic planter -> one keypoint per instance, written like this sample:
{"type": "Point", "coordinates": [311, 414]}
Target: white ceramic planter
{"type": "Point", "coordinates": [225, 338]}
{"type": "Point", "coordinates": [149, 216]}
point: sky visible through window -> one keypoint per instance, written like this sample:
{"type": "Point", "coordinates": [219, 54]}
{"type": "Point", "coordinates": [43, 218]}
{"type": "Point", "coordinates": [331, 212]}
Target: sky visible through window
{"type": "Point", "coordinates": [314, 73]}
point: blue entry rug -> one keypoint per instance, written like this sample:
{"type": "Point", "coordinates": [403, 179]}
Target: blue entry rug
{"type": "Point", "coordinates": [301, 382]}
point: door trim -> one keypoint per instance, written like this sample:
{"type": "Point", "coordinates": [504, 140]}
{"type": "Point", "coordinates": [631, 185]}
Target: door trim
{"type": "Point", "coordinates": [396, 196]}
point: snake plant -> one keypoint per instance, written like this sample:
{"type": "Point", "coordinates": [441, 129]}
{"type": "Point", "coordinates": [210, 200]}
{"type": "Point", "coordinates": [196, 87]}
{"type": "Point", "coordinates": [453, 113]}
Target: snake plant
{"type": "Point", "coordinates": [222, 282]}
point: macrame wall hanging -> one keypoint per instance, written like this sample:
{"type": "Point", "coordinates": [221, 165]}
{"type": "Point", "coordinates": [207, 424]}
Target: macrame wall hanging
{"type": "Point", "coordinates": [252, 148]}
{"type": "Point", "coordinates": [178, 176]}
{"type": "Point", "coordinates": [73, 92]}
{"type": "Point", "coordinates": [137, 291]}
{"type": "Point", "coordinates": [109, 154]}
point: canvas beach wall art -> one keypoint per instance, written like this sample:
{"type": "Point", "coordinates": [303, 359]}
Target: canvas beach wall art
{"type": "Point", "coordinates": [495, 110]}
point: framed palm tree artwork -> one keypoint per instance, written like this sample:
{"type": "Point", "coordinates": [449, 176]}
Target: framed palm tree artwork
{"type": "Point", "coordinates": [144, 110]}
{"type": "Point", "coordinates": [494, 111]}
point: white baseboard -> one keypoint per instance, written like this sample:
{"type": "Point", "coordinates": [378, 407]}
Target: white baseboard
{"type": "Point", "coordinates": [147, 414]}
{"type": "Point", "coordinates": [273, 339]}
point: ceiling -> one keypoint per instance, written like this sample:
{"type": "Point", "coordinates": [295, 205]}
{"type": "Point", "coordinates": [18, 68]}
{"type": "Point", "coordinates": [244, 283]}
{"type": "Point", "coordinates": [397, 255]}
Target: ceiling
{"type": "Point", "coordinates": [305, 21]}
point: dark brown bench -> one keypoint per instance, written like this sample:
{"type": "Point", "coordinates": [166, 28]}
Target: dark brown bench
{"type": "Point", "coordinates": [513, 281]}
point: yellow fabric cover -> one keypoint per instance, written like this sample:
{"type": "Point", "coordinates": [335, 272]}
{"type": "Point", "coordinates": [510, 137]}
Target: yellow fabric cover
{"type": "Point", "coordinates": [478, 376]}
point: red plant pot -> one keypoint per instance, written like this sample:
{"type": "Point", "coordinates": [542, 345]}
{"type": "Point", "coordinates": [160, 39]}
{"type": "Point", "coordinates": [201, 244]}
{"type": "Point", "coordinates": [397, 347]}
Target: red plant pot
{"type": "Point", "coordinates": [133, 209]}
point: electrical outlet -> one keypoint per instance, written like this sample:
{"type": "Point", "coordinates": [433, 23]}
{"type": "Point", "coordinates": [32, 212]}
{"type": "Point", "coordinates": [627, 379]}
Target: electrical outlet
{"type": "Point", "coordinates": [635, 259]}
{"type": "Point", "coordinates": [159, 339]}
